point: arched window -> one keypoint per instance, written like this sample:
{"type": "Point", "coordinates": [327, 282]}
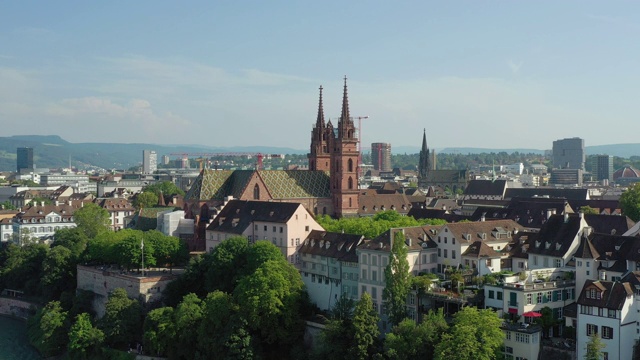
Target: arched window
{"type": "Point", "coordinates": [350, 183]}
{"type": "Point", "coordinates": [256, 192]}
{"type": "Point", "coordinates": [350, 165]}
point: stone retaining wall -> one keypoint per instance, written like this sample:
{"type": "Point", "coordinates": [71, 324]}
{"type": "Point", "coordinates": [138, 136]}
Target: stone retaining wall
{"type": "Point", "coordinates": [16, 308]}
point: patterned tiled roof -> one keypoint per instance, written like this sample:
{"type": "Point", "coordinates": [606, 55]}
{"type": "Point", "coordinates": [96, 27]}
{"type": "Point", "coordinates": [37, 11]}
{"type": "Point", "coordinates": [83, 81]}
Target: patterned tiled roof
{"type": "Point", "coordinates": [281, 184]}
{"type": "Point", "coordinates": [286, 184]}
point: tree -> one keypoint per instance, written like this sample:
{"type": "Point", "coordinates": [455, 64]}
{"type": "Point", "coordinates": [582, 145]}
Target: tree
{"type": "Point", "coordinates": [84, 338]}
{"type": "Point", "coordinates": [410, 340]}
{"type": "Point", "coordinates": [166, 188]}
{"type": "Point", "coordinates": [588, 210]}
{"type": "Point", "coordinates": [167, 250]}
{"type": "Point", "coordinates": [129, 249]}
{"type": "Point", "coordinates": [365, 329]}
{"type": "Point", "coordinates": [188, 316]}
{"type": "Point", "coordinates": [269, 301]}
{"type": "Point", "coordinates": [475, 334]}
{"type": "Point", "coordinates": [58, 272]}
{"type": "Point", "coordinates": [220, 317]}
{"type": "Point", "coordinates": [546, 321]}
{"type": "Point", "coordinates": [630, 202]}
{"type": "Point", "coordinates": [228, 261]}
{"type": "Point", "coordinates": [73, 239]}
{"type": "Point", "coordinates": [145, 199]}
{"type": "Point", "coordinates": [397, 280]}
{"type": "Point", "coordinates": [159, 330]}
{"type": "Point", "coordinates": [122, 320]}
{"type": "Point", "coordinates": [92, 220]}
{"type": "Point", "coordinates": [594, 348]}
{"type": "Point", "coordinates": [48, 329]}
{"type": "Point", "coordinates": [6, 205]}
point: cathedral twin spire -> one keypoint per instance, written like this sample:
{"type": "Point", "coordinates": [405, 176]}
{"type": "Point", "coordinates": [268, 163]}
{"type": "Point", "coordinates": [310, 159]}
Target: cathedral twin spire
{"type": "Point", "coordinates": [345, 118]}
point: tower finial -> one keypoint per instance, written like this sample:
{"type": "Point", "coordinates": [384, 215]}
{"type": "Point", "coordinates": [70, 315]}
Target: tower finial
{"type": "Point", "coordinates": [320, 120]}
{"type": "Point", "coordinates": [344, 116]}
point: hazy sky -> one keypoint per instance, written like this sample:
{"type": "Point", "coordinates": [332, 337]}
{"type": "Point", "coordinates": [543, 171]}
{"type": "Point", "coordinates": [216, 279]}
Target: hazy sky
{"type": "Point", "coordinates": [494, 74]}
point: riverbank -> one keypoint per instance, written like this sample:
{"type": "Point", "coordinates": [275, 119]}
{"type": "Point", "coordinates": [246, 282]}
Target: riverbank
{"type": "Point", "coordinates": [14, 341]}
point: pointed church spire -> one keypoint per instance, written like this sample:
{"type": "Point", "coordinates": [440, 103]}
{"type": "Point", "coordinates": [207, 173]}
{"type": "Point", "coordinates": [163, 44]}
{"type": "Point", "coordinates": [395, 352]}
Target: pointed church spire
{"type": "Point", "coordinates": [344, 116]}
{"type": "Point", "coordinates": [320, 121]}
{"type": "Point", "coordinates": [424, 140]}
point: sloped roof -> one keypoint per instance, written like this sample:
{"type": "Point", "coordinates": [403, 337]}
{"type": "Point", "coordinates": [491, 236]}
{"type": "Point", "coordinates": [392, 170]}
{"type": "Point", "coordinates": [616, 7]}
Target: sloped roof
{"type": "Point", "coordinates": [614, 294]}
{"type": "Point", "coordinates": [486, 187]}
{"type": "Point", "coordinates": [237, 215]}
{"type": "Point", "coordinates": [586, 250]}
{"type": "Point", "coordinates": [420, 213]}
{"type": "Point", "coordinates": [416, 238]}
{"type": "Point", "coordinates": [281, 184]}
{"type": "Point", "coordinates": [609, 224]}
{"type": "Point", "coordinates": [469, 232]}
{"type": "Point", "coordinates": [556, 235]}
{"type": "Point", "coordinates": [331, 244]}
{"type": "Point", "coordinates": [572, 194]}
{"type": "Point", "coordinates": [371, 203]}
{"type": "Point", "coordinates": [481, 250]}
{"type": "Point", "coordinates": [147, 218]}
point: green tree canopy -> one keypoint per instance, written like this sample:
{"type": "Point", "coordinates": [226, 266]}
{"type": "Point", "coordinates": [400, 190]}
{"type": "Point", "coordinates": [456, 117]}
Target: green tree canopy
{"type": "Point", "coordinates": [84, 338]}
{"type": "Point", "coordinates": [166, 188]}
{"type": "Point", "coordinates": [365, 329]}
{"type": "Point", "coordinates": [188, 316]}
{"type": "Point", "coordinates": [371, 227]}
{"type": "Point", "coordinates": [159, 331]}
{"type": "Point", "coordinates": [630, 202]}
{"type": "Point", "coordinates": [397, 280]}
{"type": "Point", "coordinates": [226, 263]}
{"type": "Point", "coordinates": [594, 348]}
{"type": "Point", "coordinates": [122, 320]}
{"type": "Point", "coordinates": [145, 199]}
{"type": "Point", "coordinates": [92, 220]}
{"type": "Point", "coordinates": [48, 329]}
{"type": "Point", "coordinates": [475, 334]}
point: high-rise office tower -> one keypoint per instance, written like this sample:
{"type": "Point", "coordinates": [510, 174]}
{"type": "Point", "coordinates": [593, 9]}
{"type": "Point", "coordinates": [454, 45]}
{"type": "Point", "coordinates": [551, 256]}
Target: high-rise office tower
{"type": "Point", "coordinates": [24, 158]}
{"type": "Point", "coordinates": [568, 154]}
{"type": "Point", "coordinates": [149, 161]}
{"type": "Point", "coordinates": [381, 156]}
{"type": "Point", "coordinates": [602, 167]}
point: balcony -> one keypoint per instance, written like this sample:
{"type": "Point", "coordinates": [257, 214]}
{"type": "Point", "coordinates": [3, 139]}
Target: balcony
{"type": "Point", "coordinates": [541, 285]}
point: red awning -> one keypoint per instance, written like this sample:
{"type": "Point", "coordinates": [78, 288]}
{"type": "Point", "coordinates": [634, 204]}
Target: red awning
{"type": "Point", "coordinates": [513, 311]}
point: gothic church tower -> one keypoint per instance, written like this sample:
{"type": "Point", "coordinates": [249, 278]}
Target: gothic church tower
{"type": "Point", "coordinates": [344, 163]}
{"type": "Point", "coordinates": [319, 155]}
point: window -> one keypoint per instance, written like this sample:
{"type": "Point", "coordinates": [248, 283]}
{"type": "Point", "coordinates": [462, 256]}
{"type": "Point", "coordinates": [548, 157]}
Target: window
{"type": "Point", "coordinates": [592, 329]}
{"type": "Point", "coordinates": [306, 228]}
{"type": "Point", "coordinates": [364, 258]}
{"type": "Point", "coordinates": [265, 228]}
{"type": "Point", "coordinates": [607, 332]}
{"type": "Point", "coordinates": [439, 253]}
{"type": "Point", "coordinates": [445, 239]}
{"type": "Point", "coordinates": [529, 300]}
{"type": "Point", "coordinates": [612, 313]}
{"type": "Point", "coordinates": [491, 294]}
{"type": "Point", "coordinates": [374, 293]}
{"type": "Point", "coordinates": [297, 241]}
{"type": "Point", "coordinates": [424, 258]}
{"type": "Point", "coordinates": [374, 275]}
{"type": "Point", "coordinates": [364, 289]}
{"type": "Point", "coordinates": [539, 298]}
{"type": "Point", "coordinates": [445, 252]}
{"type": "Point", "coordinates": [579, 262]}
{"type": "Point", "coordinates": [364, 274]}
{"type": "Point", "coordinates": [558, 262]}
{"type": "Point", "coordinates": [453, 254]}
{"type": "Point", "coordinates": [274, 229]}
{"type": "Point", "coordinates": [588, 263]}
{"type": "Point", "coordinates": [535, 260]}
{"type": "Point", "coordinates": [499, 295]}
{"type": "Point", "coordinates": [453, 241]}
{"type": "Point", "coordinates": [508, 335]}
{"type": "Point", "coordinates": [374, 260]}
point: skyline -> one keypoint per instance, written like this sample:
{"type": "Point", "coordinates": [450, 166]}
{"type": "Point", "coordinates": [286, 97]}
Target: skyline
{"type": "Point", "coordinates": [502, 74]}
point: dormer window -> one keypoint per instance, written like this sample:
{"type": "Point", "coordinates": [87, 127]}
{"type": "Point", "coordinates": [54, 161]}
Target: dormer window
{"type": "Point", "coordinates": [537, 243]}
{"type": "Point", "coordinates": [547, 245]}
{"type": "Point", "coordinates": [558, 246]}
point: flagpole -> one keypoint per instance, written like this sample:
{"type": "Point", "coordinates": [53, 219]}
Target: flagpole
{"type": "Point", "coordinates": [142, 248]}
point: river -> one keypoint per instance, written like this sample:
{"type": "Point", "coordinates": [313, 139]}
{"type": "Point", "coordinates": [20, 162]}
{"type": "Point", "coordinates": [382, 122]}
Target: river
{"type": "Point", "coordinates": [14, 343]}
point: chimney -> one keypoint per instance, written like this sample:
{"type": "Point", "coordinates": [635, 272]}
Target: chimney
{"type": "Point", "coordinates": [581, 215]}
{"type": "Point", "coordinates": [566, 218]}
{"type": "Point", "coordinates": [603, 275]}
{"type": "Point", "coordinates": [482, 218]}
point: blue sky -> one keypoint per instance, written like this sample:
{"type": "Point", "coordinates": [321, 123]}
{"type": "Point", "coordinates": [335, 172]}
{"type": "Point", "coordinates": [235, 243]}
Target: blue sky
{"type": "Point", "coordinates": [495, 74]}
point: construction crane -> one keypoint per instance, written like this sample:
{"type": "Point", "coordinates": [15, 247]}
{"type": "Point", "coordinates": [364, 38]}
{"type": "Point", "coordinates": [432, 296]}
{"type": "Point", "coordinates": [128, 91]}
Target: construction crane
{"type": "Point", "coordinates": [360, 118]}
{"type": "Point", "coordinates": [203, 157]}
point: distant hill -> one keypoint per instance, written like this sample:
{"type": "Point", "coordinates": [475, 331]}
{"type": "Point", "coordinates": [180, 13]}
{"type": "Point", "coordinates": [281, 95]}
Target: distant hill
{"type": "Point", "coordinates": [54, 152]}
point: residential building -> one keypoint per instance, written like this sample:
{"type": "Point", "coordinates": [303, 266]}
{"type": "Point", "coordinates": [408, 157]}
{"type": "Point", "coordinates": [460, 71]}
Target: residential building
{"type": "Point", "coordinates": [568, 154]}
{"type": "Point", "coordinates": [119, 209]}
{"type": "Point", "coordinates": [42, 221]}
{"type": "Point", "coordinates": [149, 161]}
{"type": "Point", "coordinates": [521, 341]}
{"type": "Point", "coordinates": [454, 239]}
{"type": "Point", "coordinates": [286, 225]}
{"type": "Point", "coordinates": [24, 161]}
{"type": "Point", "coordinates": [329, 266]}
{"type": "Point", "coordinates": [381, 156]}
{"type": "Point", "coordinates": [609, 309]}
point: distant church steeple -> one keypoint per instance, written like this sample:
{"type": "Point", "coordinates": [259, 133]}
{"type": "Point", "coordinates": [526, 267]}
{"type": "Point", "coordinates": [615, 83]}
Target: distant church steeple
{"type": "Point", "coordinates": [346, 129]}
{"type": "Point", "coordinates": [423, 164]}
{"type": "Point", "coordinates": [319, 157]}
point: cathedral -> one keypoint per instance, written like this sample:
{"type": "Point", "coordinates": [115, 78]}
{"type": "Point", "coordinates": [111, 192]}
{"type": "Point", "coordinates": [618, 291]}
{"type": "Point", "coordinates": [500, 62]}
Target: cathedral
{"type": "Point", "coordinates": [330, 186]}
